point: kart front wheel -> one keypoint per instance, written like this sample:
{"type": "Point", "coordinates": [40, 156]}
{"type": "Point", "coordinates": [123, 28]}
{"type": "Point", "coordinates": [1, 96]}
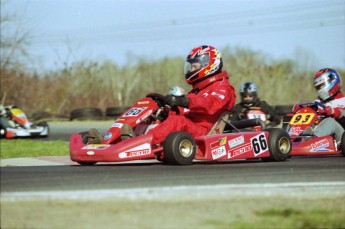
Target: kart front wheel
{"type": "Point", "coordinates": [279, 144]}
{"type": "Point", "coordinates": [44, 124]}
{"type": "Point", "coordinates": [2, 132]}
{"type": "Point", "coordinates": [179, 149]}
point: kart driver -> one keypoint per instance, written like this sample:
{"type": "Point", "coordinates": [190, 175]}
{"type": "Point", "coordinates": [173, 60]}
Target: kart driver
{"type": "Point", "coordinates": [251, 101]}
{"type": "Point", "coordinates": [212, 94]}
{"type": "Point", "coordinates": [327, 84]}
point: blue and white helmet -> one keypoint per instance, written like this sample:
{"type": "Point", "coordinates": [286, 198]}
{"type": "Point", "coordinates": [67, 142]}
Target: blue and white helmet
{"type": "Point", "coordinates": [327, 83]}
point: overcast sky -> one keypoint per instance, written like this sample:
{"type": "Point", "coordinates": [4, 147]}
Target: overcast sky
{"type": "Point", "coordinates": [72, 30]}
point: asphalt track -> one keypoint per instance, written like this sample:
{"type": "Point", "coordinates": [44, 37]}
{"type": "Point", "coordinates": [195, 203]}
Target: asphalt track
{"type": "Point", "coordinates": [59, 176]}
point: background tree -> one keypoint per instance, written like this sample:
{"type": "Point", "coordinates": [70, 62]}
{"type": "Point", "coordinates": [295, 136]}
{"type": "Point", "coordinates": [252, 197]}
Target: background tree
{"type": "Point", "coordinates": [13, 41]}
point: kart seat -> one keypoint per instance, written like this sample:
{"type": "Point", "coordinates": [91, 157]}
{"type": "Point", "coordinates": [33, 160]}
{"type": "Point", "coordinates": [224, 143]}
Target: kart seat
{"type": "Point", "coordinates": [219, 126]}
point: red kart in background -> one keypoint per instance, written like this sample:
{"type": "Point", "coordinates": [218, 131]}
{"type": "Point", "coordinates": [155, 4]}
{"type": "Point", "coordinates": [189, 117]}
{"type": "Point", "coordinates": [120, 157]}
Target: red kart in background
{"type": "Point", "coordinates": [305, 143]}
{"type": "Point", "coordinates": [179, 148]}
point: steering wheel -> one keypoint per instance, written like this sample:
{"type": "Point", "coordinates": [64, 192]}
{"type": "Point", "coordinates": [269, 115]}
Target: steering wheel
{"type": "Point", "coordinates": [319, 104]}
{"type": "Point", "coordinates": [314, 105]}
{"type": "Point", "coordinates": [158, 98]}
{"type": "Point", "coordinates": [160, 101]}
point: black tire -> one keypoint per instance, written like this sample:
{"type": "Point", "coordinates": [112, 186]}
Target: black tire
{"type": "Point", "coordinates": [342, 144]}
{"type": "Point", "coordinates": [279, 145]}
{"type": "Point", "coordinates": [115, 111]}
{"type": "Point", "coordinates": [44, 124]}
{"type": "Point", "coordinates": [90, 113]}
{"type": "Point", "coordinates": [179, 148]}
{"type": "Point", "coordinates": [3, 132]}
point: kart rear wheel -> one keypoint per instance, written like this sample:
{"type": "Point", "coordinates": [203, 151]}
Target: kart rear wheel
{"type": "Point", "coordinates": [279, 144]}
{"type": "Point", "coordinates": [179, 149]}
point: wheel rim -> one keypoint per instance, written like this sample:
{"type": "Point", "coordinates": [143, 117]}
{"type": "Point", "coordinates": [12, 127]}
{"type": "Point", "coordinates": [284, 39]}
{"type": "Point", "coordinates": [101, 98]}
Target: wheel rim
{"type": "Point", "coordinates": [284, 145]}
{"type": "Point", "coordinates": [186, 148]}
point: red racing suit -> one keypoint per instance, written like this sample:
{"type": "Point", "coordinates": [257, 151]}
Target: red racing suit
{"type": "Point", "coordinates": [335, 123]}
{"type": "Point", "coordinates": [338, 105]}
{"type": "Point", "coordinates": [207, 101]}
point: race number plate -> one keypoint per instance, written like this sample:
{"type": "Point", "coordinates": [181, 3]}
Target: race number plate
{"type": "Point", "coordinates": [253, 114]}
{"type": "Point", "coordinates": [302, 119]}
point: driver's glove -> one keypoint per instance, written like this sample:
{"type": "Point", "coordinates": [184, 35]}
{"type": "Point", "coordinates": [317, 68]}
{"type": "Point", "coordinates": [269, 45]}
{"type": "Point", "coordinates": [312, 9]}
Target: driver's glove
{"type": "Point", "coordinates": [181, 101]}
{"type": "Point", "coordinates": [333, 112]}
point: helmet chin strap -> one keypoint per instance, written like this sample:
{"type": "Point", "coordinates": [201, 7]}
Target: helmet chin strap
{"type": "Point", "coordinates": [204, 83]}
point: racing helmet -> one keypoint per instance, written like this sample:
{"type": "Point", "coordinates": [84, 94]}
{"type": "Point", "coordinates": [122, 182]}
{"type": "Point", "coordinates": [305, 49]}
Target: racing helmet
{"type": "Point", "coordinates": [201, 63]}
{"type": "Point", "coordinates": [327, 83]}
{"type": "Point", "coordinates": [248, 93]}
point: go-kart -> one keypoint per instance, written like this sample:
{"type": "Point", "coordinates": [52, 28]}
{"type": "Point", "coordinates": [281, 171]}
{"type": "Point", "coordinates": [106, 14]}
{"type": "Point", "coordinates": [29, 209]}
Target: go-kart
{"type": "Point", "coordinates": [15, 124]}
{"type": "Point", "coordinates": [179, 148]}
{"type": "Point", "coordinates": [304, 142]}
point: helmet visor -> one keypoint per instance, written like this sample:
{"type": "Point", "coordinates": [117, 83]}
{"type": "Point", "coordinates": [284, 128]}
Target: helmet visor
{"type": "Point", "coordinates": [324, 82]}
{"type": "Point", "coordinates": [194, 65]}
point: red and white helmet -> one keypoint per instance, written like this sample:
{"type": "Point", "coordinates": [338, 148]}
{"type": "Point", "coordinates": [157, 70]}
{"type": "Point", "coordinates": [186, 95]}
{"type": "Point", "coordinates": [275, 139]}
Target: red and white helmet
{"type": "Point", "coordinates": [210, 61]}
{"type": "Point", "coordinates": [327, 83]}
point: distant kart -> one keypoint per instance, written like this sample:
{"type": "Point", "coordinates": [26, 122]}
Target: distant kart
{"type": "Point", "coordinates": [305, 143]}
{"type": "Point", "coordinates": [19, 125]}
{"type": "Point", "coordinates": [179, 148]}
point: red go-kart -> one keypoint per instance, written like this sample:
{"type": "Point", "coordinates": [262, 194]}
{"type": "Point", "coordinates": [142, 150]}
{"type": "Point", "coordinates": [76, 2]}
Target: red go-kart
{"type": "Point", "coordinates": [180, 148]}
{"type": "Point", "coordinates": [304, 143]}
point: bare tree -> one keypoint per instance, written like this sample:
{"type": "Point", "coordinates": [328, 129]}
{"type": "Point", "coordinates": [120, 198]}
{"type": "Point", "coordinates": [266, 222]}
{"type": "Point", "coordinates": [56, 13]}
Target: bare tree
{"type": "Point", "coordinates": [14, 42]}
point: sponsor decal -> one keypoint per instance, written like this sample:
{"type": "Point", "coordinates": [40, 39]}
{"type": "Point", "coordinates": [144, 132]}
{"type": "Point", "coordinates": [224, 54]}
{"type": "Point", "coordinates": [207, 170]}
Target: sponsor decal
{"type": "Point", "coordinates": [320, 146]}
{"type": "Point", "coordinates": [96, 146]}
{"type": "Point", "coordinates": [90, 153]}
{"type": "Point", "coordinates": [246, 148]}
{"type": "Point", "coordinates": [146, 115]}
{"type": "Point", "coordinates": [142, 150]}
{"type": "Point", "coordinates": [135, 111]}
{"type": "Point", "coordinates": [219, 142]}
{"type": "Point", "coordinates": [143, 102]}
{"type": "Point", "coordinates": [219, 152]}
{"type": "Point", "coordinates": [258, 145]}
{"type": "Point", "coordinates": [120, 120]}
{"type": "Point", "coordinates": [236, 141]}
{"type": "Point", "coordinates": [117, 125]}
{"type": "Point", "coordinates": [295, 130]}
{"type": "Point", "coordinates": [107, 136]}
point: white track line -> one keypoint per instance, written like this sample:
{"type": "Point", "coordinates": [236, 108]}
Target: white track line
{"type": "Point", "coordinates": [189, 192]}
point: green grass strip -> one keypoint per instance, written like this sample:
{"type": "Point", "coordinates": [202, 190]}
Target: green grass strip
{"type": "Point", "coordinates": [16, 148]}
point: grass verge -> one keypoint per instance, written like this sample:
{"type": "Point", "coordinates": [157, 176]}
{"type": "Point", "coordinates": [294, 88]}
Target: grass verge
{"type": "Point", "coordinates": [16, 148]}
{"type": "Point", "coordinates": [229, 212]}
